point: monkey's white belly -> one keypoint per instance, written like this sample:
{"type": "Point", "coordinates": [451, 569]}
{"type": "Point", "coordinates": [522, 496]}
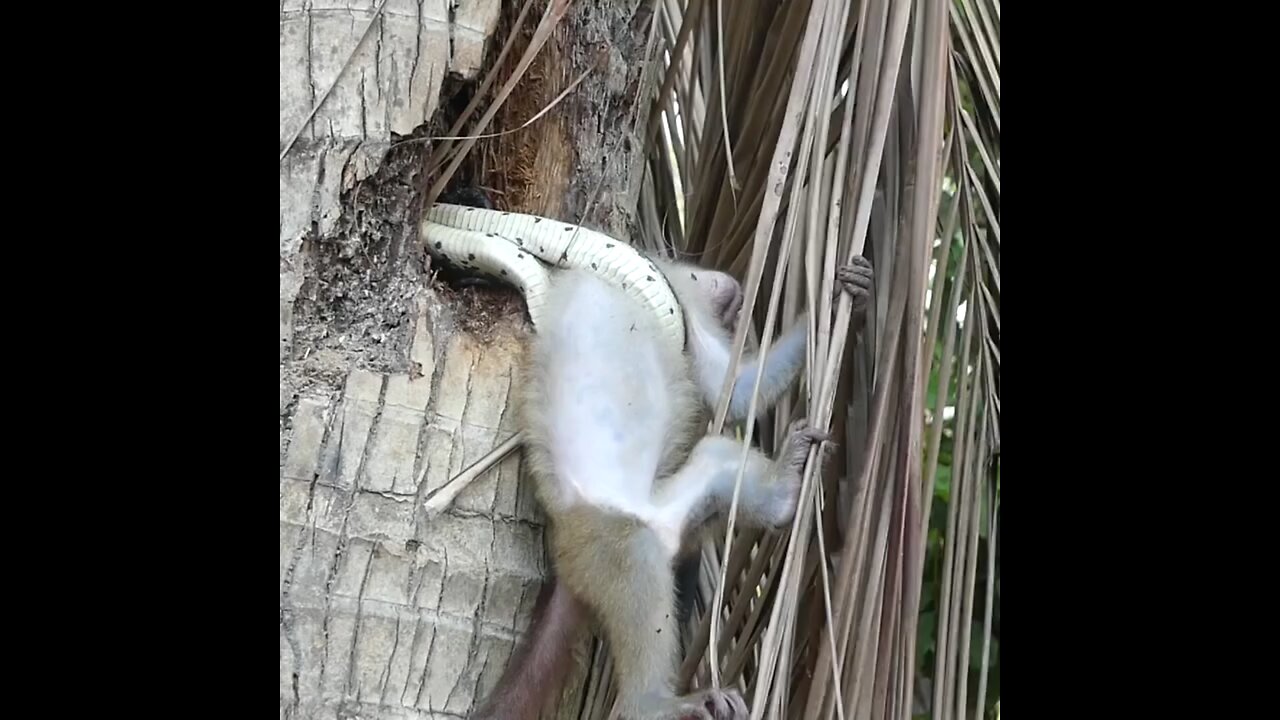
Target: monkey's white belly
{"type": "Point", "coordinates": [610, 406]}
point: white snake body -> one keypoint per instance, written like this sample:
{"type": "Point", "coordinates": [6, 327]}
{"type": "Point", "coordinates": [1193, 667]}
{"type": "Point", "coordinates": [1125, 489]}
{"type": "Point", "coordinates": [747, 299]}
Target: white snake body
{"type": "Point", "coordinates": [513, 248]}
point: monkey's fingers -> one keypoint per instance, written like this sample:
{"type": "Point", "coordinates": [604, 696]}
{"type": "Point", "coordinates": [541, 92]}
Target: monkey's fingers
{"type": "Point", "coordinates": [855, 276]}
{"type": "Point", "coordinates": [858, 282]}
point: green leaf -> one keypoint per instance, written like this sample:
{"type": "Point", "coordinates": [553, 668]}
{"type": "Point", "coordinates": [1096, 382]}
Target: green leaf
{"type": "Point", "coordinates": [942, 490]}
{"type": "Point", "coordinates": [931, 392]}
{"type": "Point", "coordinates": [975, 644]}
{"type": "Point", "coordinates": [926, 638]}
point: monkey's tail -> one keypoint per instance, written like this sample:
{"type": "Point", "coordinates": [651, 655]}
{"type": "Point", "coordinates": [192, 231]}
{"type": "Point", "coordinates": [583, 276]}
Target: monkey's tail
{"type": "Point", "coordinates": [540, 664]}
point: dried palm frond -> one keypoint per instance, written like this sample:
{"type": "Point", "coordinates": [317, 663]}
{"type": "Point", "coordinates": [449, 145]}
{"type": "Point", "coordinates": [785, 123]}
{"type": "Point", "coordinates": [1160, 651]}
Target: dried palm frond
{"type": "Point", "coordinates": [788, 137]}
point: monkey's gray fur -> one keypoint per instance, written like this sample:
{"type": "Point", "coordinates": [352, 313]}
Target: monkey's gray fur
{"type": "Point", "coordinates": [613, 419]}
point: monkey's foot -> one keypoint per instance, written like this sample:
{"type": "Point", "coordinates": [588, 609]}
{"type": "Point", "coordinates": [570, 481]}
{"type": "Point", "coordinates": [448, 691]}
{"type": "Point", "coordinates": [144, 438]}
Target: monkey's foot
{"type": "Point", "coordinates": [857, 279]}
{"type": "Point", "coordinates": [721, 705]}
{"type": "Point", "coordinates": [785, 488]}
{"type": "Point", "coordinates": [703, 705]}
{"type": "Point", "coordinates": [801, 437]}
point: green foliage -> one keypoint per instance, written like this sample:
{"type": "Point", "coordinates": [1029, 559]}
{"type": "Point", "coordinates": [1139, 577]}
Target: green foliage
{"type": "Point", "coordinates": [935, 547]}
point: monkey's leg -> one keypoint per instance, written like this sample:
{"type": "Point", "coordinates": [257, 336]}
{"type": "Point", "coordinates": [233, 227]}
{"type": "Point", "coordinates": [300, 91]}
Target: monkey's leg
{"type": "Point", "coordinates": [621, 567]}
{"type": "Point", "coordinates": [539, 665]}
{"type": "Point", "coordinates": [770, 488]}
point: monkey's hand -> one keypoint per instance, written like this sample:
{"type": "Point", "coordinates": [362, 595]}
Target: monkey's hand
{"type": "Point", "coordinates": [724, 704]}
{"type": "Point", "coordinates": [857, 279]}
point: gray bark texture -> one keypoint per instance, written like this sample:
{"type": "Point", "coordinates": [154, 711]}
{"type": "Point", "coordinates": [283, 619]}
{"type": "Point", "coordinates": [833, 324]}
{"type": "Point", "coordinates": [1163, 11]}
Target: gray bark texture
{"type": "Point", "coordinates": [390, 381]}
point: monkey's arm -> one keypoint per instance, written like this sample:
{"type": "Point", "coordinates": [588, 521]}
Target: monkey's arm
{"type": "Point", "coordinates": [777, 372]}
{"type": "Point", "coordinates": [541, 662]}
{"type": "Point", "coordinates": [786, 358]}
{"type": "Point", "coordinates": [711, 301]}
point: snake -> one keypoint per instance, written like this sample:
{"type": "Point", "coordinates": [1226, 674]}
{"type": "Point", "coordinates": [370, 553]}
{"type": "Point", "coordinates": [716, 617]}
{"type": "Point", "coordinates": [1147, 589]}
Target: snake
{"type": "Point", "coordinates": [526, 250]}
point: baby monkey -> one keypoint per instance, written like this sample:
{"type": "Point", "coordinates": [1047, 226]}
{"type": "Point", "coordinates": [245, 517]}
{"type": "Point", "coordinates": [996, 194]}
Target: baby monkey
{"type": "Point", "coordinates": [614, 418]}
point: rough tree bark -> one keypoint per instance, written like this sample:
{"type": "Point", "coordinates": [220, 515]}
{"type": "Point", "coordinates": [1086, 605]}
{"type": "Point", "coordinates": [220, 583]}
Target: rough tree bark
{"type": "Point", "coordinates": [390, 382]}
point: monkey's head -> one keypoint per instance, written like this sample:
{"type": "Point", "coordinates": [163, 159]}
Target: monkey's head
{"type": "Point", "coordinates": [703, 293]}
{"type": "Point", "coordinates": [719, 293]}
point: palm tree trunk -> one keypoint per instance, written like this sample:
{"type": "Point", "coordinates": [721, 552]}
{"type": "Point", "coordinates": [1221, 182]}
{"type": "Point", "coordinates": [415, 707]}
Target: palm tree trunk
{"type": "Point", "coordinates": [390, 382]}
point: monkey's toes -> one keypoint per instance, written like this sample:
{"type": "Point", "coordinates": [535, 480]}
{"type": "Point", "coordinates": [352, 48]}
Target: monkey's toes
{"type": "Point", "coordinates": [814, 435]}
{"type": "Point", "coordinates": [801, 437]}
{"type": "Point", "coordinates": [801, 430]}
{"type": "Point", "coordinates": [725, 705]}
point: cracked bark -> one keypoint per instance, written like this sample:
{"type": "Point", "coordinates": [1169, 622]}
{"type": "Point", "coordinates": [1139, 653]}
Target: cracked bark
{"type": "Point", "coordinates": [384, 377]}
